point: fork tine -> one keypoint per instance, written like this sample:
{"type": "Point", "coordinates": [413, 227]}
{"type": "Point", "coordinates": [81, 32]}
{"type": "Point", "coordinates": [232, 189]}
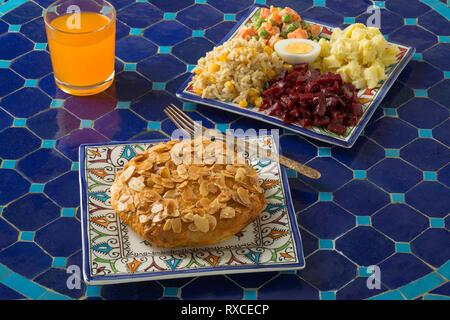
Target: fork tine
{"type": "Point", "coordinates": [187, 122]}
{"type": "Point", "coordinates": [182, 114]}
{"type": "Point", "coordinates": [179, 124]}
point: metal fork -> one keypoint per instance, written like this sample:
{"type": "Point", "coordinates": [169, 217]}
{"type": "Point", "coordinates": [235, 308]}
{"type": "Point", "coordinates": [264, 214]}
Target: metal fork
{"type": "Point", "coordinates": [188, 125]}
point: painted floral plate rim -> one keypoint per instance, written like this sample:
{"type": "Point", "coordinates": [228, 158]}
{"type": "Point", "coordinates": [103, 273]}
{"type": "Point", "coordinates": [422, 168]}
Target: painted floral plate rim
{"type": "Point", "coordinates": [370, 98]}
{"type": "Point", "coordinates": [114, 254]}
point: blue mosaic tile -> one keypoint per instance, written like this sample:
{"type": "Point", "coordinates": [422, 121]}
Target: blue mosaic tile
{"type": "Point", "coordinates": [52, 164]}
{"type": "Point", "coordinates": [435, 22]}
{"type": "Point", "coordinates": [441, 133]}
{"type": "Point", "coordinates": [317, 220]}
{"type": "Point", "coordinates": [400, 222]}
{"type": "Point", "coordinates": [366, 198]}
{"type": "Point", "coordinates": [412, 268]}
{"type": "Point", "coordinates": [140, 15]}
{"type": "Point", "coordinates": [120, 125]}
{"type": "Point", "coordinates": [322, 276]}
{"type": "Point", "coordinates": [167, 33]}
{"type": "Point", "coordinates": [189, 16]}
{"type": "Point", "coordinates": [47, 237]}
{"type": "Point", "coordinates": [192, 49]}
{"type": "Point", "coordinates": [229, 290]}
{"type": "Point", "coordinates": [430, 198]}
{"type": "Point", "coordinates": [413, 113]}
{"type": "Point", "coordinates": [172, 6]}
{"type": "Point", "coordinates": [219, 31]}
{"type": "Point", "coordinates": [308, 150]}
{"type": "Point", "coordinates": [17, 142]}
{"type": "Point", "coordinates": [161, 67]}
{"type": "Point", "coordinates": [324, 14]}
{"type": "Point", "coordinates": [9, 234]}
{"type": "Point", "coordinates": [407, 8]}
{"type": "Point", "coordinates": [64, 190]}
{"type": "Point", "coordinates": [361, 156]}
{"type": "Point", "coordinates": [426, 154]}
{"type": "Point", "coordinates": [365, 246]}
{"type": "Point", "coordinates": [358, 290]}
{"type": "Point", "coordinates": [151, 105]}
{"type": "Point", "coordinates": [33, 260]}
{"type": "Point", "coordinates": [55, 279]}
{"type": "Point", "coordinates": [34, 65]}
{"type": "Point", "coordinates": [26, 102]}
{"type": "Point", "coordinates": [287, 286]}
{"type": "Point", "coordinates": [328, 183]}
{"type": "Point", "coordinates": [349, 9]}
{"type": "Point", "coordinates": [35, 30]}
{"type": "Point", "coordinates": [252, 280]}
{"type": "Point", "coordinates": [437, 56]}
{"type": "Point", "coordinates": [421, 285]}
{"type": "Point", "coordinates": [302, 194]}
{"type": "Point", "coordinates": [394, 175]}
{"type": "Point", "coordinates": [142, 48]}
{"type": "Point", "coordinates": [440, 92]}
{"type": "Point", "coordinates": [383, 131]}
{"type": "Point", "coordinates": [23, 13]}
{"type": "Point", "coordinates": [129, 86]}
{"type": "Point", "coordinates": [9, 81]}
{"type": "Point", "coordinates": [53, 124]}
{"type": "Point", "coordinates": [9, 294]}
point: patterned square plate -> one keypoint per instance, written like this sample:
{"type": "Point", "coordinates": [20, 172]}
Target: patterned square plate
{"type": "Point", "coordinates": [369, 98]}
{"type": "Point", "coordinates": [112, 253]}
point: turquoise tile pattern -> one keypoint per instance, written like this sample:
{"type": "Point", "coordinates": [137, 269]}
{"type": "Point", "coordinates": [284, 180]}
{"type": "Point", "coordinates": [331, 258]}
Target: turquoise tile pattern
{"type": "Point", "coordinates": [385, 202]}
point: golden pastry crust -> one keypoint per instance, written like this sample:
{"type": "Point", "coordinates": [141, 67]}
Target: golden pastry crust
{"type": "Point", "coordinates": [182, 193]}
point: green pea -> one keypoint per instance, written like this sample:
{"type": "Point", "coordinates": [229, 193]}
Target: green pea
{"type": "Point", "coordinates": [304, 24]}
{"type": "Point", "coordinates": [256, 38]}
{"type": "Point", "coordinates": [272, 22]}
{"type": "Point", "coordinates": [258, 22]}
{"type": "Point", "coordinates": [283, 34]}
{"type": "Point", "coordinates": [263, 33]}
{"type": "Point", "coordinates": [286, 18]}
{"type": "Point", "coordinates": [257, 13]}
{"type": "Point", "coordinates": [291, 27]}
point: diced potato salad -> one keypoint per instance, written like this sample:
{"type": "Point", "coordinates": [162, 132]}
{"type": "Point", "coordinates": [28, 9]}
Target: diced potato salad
{"type": "Point", "coordinates": [274, 24]}
{"type": "Point", "coordinates": [358, 53]}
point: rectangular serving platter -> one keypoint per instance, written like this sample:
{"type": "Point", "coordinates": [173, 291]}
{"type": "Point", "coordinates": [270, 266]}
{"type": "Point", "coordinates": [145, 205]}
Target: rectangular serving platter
{"type": "Point", "coordinates": [369, 98]}
{"type": "Point", "coordinates": [112, 253]}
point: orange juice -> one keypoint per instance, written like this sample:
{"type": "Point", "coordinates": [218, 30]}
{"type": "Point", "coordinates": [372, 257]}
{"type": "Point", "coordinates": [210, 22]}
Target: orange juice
{"type": "Point", "coordinates": [82, 56]}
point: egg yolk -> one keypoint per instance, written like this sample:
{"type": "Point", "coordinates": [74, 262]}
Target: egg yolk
{"type": "Point", "coordinates": [299, 47]}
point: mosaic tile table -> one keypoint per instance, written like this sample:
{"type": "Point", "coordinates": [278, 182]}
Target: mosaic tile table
{"type": "Point", "coordinates": [384, 202]}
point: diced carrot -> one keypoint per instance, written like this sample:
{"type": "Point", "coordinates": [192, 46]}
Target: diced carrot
{"type": "Point", "coordinates": [273, 9]}
{"type": "Point", "coordinates": [266, 26]}
{"type": "Point", "coordinates": [273, 40]}
{"type": "Point", "coordinates": [298, 34]}
{"type": "Point", "coordinates": [294, 15]}
{"type": "Point", "coordinates": [264, 13]}
{"type": "Point", "coordinates": [315, 30]}
{"type": "Point", "coordinates": [276, 17]}
{"type": "Point", "coordinates": [247, 33]}
{"type": "Point", "coordinates": [275, 31]}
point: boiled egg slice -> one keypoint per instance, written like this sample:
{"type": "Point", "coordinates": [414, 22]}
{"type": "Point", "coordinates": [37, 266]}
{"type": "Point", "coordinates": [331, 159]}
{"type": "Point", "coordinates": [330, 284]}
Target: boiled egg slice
{"type": "Point", "coordinates": [296, 51]}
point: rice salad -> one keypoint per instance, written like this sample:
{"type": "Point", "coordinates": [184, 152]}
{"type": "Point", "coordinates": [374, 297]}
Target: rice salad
{"type": "Point", "coordinates": [236, 71]}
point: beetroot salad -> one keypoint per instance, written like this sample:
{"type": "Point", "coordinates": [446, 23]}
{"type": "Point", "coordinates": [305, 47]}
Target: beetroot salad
{"type": "Point", "coordinates": [308, 98]}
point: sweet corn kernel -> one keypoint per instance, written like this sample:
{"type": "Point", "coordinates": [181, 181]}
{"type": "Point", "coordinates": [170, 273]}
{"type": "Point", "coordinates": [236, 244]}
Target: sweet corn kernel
{"type": "Point", "coordinates": [252, 92]}
{"type": "Point", "coordinates": [197, 71]}
{"type": "Point", "coordinates": [212, 79]}
{"type": "Point", "coordinates": [268, 50]}
{"type": "Point", "coordinates": [288, 67]}
{"type": "Point", "coordinates": [271, 74]}
{"type": "Point", "coordinates": [229, 85]}
{"type": "Point", "coordinates": [214, 67]}
{"type": "Point", "coordinates": [243, 104]}
{"type": "Point", "coordinates": [258, 102]}
{"type": "Point", "coordinates": [263, 69]}
{"type": "Point", "coordinates": [198, 91]}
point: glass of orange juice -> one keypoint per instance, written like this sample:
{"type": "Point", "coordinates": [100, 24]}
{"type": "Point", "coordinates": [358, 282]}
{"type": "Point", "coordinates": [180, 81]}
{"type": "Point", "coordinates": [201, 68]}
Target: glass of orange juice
{"type": "Point", "coordinates": [81, 39]}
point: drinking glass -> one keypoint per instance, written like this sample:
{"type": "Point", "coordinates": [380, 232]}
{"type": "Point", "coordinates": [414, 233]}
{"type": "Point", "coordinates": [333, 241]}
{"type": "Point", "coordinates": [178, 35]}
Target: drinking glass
{"type": "Point", "coordinates": [81, 39]}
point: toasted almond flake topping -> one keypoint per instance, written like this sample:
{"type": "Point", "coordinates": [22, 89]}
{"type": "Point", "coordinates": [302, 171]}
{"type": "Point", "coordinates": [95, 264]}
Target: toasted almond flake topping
{"type": "Point", "coordinates": [137, 184]}
{"type": "Point", "coordinates": [126, 175]}
{"type": "Point", "coordinates": [201, 223]}
{"type": "Point", "coordinates": [157, 207]}
{"type": "Point", "coordinates": [227, 212]}
{"type": "Point", "coordinates": [176, 225]}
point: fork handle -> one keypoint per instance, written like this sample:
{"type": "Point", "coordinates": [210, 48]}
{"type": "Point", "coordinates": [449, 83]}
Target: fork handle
{"type": "Point", "coordinates": [285, 161]}
{"type": "Point", "coordinates": [298, 167]}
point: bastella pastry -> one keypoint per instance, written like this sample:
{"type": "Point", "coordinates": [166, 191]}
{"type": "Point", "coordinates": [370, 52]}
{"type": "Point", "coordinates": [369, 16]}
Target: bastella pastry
{"type": "Point", "coordinates": [185, 193]}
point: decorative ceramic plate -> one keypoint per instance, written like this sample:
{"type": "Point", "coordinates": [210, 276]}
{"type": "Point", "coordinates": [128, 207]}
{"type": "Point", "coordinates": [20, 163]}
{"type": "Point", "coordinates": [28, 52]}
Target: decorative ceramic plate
{"type": "Point", "coordinates": [369, 98]}
{"type": "Point", "coordinates": [113, 253]}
